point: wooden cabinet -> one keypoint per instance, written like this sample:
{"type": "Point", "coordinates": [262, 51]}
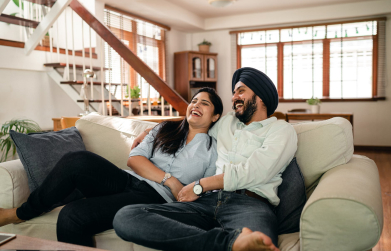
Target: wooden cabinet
{"type": "Point", "coordinates": [194, 70]}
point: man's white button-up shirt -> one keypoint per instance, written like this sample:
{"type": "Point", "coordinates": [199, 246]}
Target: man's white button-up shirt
{"type": "Point", "coordinates": [253, 156]}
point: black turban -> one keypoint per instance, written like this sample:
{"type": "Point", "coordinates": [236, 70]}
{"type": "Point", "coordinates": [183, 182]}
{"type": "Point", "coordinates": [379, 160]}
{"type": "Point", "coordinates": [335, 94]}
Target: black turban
{"type": "Point", "coordinates": [260, 84]}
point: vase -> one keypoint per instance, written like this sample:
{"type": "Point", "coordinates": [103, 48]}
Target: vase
{"type": "Point", "coordinates": [315, 108]}
{"type": "Point", "coordinates": [203, 48]}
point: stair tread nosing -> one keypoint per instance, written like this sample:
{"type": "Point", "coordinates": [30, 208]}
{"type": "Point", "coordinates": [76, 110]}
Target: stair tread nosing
{"type": "Point", "coordinates": [18, 21]}
{"type": "Point", "coordinates": [80, 82]}
{"type": "Point", "coordinates": [63, 65]}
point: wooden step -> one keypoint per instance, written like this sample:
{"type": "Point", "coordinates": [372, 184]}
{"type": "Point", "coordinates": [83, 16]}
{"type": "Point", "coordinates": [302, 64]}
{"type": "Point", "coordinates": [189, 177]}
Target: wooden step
{"type": "Point", "coordinates": [78, 66]}
{"type": "Point", "coordinates": [18, 21]}
{"type": "Point", "coordinates": [79, 82]}
{"type": "Point", "coordinates": [48, 3]}
{"type": "Point", "coordinates": [98, 100]}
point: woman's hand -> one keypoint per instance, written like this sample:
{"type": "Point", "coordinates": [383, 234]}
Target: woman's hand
{"type": "Point", "coordinates": [187, 194]}
{"type": "Point", "coordinates": [175, 186]}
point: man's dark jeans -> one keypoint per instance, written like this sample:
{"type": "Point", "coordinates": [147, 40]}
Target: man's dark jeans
{"type": "Point", "coordinates": [106, 189]}
{"type": "Point", "coordinates": [212, 222]}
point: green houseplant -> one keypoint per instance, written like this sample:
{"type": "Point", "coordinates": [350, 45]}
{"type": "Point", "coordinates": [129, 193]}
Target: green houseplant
{"type": "Point", "coordinates": [204, 46]}
{"type": "Point", "coordinates": [18, 125]}
{"type": "Point", "coordinates": [134, 92]}
{"type": "Point", "coordinates": [314, 104]}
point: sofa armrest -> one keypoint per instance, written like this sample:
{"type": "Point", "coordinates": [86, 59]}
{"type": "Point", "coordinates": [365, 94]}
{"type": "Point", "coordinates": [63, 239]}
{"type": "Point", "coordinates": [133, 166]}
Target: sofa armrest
{"type": "Point", "coordinates": [345, 211]}
{"type": "Point", "coordinates": [14, 189]}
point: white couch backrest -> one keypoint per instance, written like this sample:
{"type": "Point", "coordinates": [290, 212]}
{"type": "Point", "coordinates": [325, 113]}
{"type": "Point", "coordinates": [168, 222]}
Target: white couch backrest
{"type": "Point", "coordinates": [323, 145]}
{"type": "Point", "coordinates": [110, 137]}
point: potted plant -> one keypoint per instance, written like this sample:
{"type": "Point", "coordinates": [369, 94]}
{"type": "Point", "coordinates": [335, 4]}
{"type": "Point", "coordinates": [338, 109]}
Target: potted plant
{"type": "Point", "coordinates": [135, 93]}
{"type": "Point", "coordinates": [314, 104]}
{"type": "Point", "coordinates": [204, 46]}
{"type": "Point", "coordinates": [18, 125]}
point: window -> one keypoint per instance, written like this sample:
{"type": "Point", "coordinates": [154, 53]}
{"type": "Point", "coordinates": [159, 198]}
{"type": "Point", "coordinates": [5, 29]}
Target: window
{"type": "Point", "coordinates": [330, 61]}
{"type": "Point", "coordinates": [146, 40]}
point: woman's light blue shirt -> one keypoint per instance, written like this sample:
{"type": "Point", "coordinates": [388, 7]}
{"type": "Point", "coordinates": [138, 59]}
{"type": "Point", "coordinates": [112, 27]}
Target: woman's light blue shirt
{"type": "Point", "coordinates": [192, 161]}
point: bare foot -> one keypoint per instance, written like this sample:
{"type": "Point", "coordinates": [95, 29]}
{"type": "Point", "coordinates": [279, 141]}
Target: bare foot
{"type": "Point", "coordinates": [253, 241]}
{"type": "Point", "coordinates": [8, 216]}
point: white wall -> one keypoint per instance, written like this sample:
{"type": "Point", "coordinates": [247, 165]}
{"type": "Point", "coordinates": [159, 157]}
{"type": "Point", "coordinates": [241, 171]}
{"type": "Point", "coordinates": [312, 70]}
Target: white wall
{"type": "Point", "coordinates": [372, 120]}
{"type": "Point", "coordinates": [33, 95]}
{"type": "Point", "coordinates": [175, 41]}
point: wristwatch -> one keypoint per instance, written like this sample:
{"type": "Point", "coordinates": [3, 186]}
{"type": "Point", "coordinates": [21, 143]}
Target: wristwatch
{"type": "Point", "coordinates": [166, 177]}
{"type": "Point", "coordinates": [197, 189]}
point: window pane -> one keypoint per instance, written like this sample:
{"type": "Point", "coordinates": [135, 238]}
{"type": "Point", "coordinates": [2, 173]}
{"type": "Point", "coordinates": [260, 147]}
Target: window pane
{"type": "Point", "coordinates": [149, 55]}
{"type": "Point", "coordinates": [303, 70]}
{"type": "Point", "coordinates": [148, 30]}
{"type": "Point", "coordinates": [255, 57]}
{"type": "Point", "coordinates": [353, 70]}
{"type": "Point", "coordinates": [352, 29]}
{"type": "Point", "coordinates": [259, 37]}
{"type": "Point", "coordinates": [303, 33]}
{"type": "Point", "coordinates": [117, 20]}
{"type": "Point", "coordinates": [334, 31]}
{"type": "Point", "coordinates": [272, 36]}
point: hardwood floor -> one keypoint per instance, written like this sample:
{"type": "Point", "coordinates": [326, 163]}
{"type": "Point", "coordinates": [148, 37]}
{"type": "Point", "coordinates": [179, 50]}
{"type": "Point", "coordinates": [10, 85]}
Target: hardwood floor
{"type": "Point", "coordinates": [383, 162]}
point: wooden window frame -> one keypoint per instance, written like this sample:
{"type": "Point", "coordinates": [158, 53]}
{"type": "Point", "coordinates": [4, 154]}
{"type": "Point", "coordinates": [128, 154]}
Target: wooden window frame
{"type": "Point", "coordinates": [326, 59]}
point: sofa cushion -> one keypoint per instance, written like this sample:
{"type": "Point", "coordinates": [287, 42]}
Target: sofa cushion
{"type": "Point", "coordinates": [292, 196]}
{"type": "Point", "coordinates": [111, 137]}
{"type": "Point", "coordinates": [40, 152]}
{"type": "Point", "coordinates": [323, 145]}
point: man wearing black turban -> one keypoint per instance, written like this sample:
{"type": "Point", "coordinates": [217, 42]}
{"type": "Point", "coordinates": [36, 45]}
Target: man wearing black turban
{"type": "Point", "coordinates": [237, 213]}
{"type": "Point", "coordinates": [261, 85]}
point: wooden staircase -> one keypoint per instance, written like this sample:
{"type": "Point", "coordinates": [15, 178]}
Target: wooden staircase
{"type": "Point", "coordinates": [171, 96]}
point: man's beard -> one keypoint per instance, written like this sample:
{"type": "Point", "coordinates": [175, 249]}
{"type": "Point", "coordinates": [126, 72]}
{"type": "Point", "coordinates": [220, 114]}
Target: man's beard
{"type": "Point", "coordinates": [249, 109]}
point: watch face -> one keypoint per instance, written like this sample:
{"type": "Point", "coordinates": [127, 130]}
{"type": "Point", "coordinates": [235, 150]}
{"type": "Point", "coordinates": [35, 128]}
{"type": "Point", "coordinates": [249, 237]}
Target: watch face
{"type": "Point", "coordinates": [197, 189]}
{"type": "Point", "coordinates": [168, 175]}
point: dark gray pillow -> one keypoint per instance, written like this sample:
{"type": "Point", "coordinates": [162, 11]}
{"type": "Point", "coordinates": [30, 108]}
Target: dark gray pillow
{"type": "Point", "coordinates": [40, 152]}
{"type": "Point", "coordinates": [292, 199]}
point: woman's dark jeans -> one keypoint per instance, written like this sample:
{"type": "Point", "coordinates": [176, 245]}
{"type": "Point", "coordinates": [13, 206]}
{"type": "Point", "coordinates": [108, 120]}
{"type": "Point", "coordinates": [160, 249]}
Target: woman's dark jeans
{"type": "Point", "coordinates": [105, 188]}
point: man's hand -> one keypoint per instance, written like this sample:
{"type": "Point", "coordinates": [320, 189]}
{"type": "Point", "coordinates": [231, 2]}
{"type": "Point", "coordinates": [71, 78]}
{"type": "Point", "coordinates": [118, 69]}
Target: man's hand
{"type": "Point", "coordinates": [140, 138]}
{"type": "Point", "coordinates": [174, 185]}
{"type": "Point", "coordinates": [187, 194]}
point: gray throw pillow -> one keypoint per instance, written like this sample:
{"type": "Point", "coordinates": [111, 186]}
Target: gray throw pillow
{"type": "Point", "coordinates": [292, 199]}
{"type": "Point", "coordinates": [40, 152]}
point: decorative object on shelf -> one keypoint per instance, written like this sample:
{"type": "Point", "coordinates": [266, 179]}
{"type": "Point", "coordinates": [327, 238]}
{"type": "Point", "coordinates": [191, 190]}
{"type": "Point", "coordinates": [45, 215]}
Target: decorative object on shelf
{"type": "Point", "coordinates": [204, 46]}
{"type": "Point", "coordinates": [18, 125]}
{"type": "Point", "coordinates": [314, 104]}
{"type": "Point", "coordinates": [221, 3]}
{"type": "Point", "coordinates": [46, 40]}
{"type": "Point", "coordinates": [87, 74]}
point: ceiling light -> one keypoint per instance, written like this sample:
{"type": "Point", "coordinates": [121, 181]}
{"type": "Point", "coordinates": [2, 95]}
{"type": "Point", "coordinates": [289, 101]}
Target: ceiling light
{"type": "Point", "coordinates": [221, 3]}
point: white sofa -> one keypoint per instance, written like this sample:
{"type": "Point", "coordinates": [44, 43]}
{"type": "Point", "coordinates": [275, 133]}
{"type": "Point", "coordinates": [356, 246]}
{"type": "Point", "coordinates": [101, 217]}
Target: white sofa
{"type": "Point", "coordinates": [344, 210]}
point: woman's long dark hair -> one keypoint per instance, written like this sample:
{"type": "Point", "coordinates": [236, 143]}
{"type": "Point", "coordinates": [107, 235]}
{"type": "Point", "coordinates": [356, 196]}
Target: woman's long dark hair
{"type": "Point", "coordinates": [173, 134]}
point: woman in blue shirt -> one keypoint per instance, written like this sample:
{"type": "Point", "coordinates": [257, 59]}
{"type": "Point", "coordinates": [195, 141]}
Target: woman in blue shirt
{"type": "Point", "coordinates": [174, 154]}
